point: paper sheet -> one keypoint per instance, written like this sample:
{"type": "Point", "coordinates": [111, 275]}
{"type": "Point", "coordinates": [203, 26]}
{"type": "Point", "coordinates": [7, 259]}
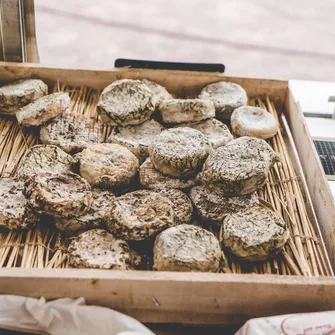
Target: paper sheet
{"type": "Point", "coordinates": [322, 323]}
{"type": "Point", "coordinates": [65, 316]}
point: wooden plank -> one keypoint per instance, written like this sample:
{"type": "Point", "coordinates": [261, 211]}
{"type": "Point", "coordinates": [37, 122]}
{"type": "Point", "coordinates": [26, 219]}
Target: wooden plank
{"type": "Point", "coordinates": [11, 30]}
{"type": "Point", "coordinates": [324, 203]}
{"type": "Point", "coordinates": [29, 31]}
{"type": "Point", "coordinates": [197, 298]}
{"type": "Point", "coordinates": [175, 81]}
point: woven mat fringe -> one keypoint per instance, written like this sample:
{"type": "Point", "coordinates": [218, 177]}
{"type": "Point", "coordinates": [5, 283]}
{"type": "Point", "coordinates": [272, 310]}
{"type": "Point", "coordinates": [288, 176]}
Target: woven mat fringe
{"type": "Point", "coordinates": [22, 245]}
{"type": "Point", "coordinates": [305, 238]}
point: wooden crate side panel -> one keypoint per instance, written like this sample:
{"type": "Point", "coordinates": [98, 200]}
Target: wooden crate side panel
{"type": "Point", "coordinates": [163, 297]}
{"type": "Point", "coordinates": [319, 189]}
{"type": "Point", "coordinates": [175, 81]}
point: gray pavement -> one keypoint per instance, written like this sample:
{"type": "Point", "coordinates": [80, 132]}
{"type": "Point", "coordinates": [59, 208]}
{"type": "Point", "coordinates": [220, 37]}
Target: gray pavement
{"type": "Point", "coordinates": [260, 38]}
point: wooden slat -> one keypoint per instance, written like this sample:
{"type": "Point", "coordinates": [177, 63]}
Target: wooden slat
{"type": "Point", "coordinates": [177, 297]}
{"type": "Point", "coordinates": [320, 192]}
{"type": "Point", "coordinates": [175, 81]}
{"type": "Point", "coordinates": [11, 31]}
{"type": "Point", "coordinates": [29, 31]}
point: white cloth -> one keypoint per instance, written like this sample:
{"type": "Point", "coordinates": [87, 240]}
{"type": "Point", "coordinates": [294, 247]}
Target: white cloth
{"type": "Point", "coordinates": [321, 323]}
{"type": "Point", "coordinates": [65, 316]}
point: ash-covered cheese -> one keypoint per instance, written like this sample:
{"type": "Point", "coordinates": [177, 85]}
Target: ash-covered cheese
{"type": "Point", "coordinates": [43, 109]}
{"type": "Point", "coordinates": [254, 234]}
{"type": "Point", "coordinates": [226, 97]}
{"type": "Point", "coordinates": [141, 214]}
{"type": "Point", "coordinates": [20, 93]}
{"type": "Point", "coordinates": [160, 92]}
{"type": "Point", "coordinates": [137, 138]}
{"type": "Point", "coordinates": [153, 179]}
{"type": "Point", "coordinates": [44, 159]}
{"type": "Point", "coordinates": [126, 102]}
{"type": "Point", "coordinates": [186, 110]}
{"type": "Point", "coordinates": [72, 133]}
{"type": "Point", "coordinates": [187, 248]}
{"type": "Point", "coordinates": [61, 195]}
{"type": "Point", "coordinates": [96, 217]}
{"type": "Point", "coordinates": [99, 249]}
{"type": "Point", "coordinates": [15, 212]}
{"type": "Point", "coordinates": [181, 205]}
{"type": "Point", "coordinates": [107, 165]}
{"type": "Point", "coordinates": [254, 122]}
{"type": "Point", "coordinates": [179, 152]}
{"type": "Point", "coordinates": [240, 167]}
{"type": "Point", "coordinates": [213, 206]}
{"type": "Point", "coordinates": [217, 132]}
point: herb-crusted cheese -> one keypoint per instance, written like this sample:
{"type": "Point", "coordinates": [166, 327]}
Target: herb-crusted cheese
{"type": "Point", "coordinates": [187, 248]}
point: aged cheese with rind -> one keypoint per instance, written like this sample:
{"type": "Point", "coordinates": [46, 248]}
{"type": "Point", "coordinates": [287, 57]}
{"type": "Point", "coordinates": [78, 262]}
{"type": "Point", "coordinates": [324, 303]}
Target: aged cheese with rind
{"type": "Point", "coordinates": [43, 109]}
{"type": "Point", "coordinates": [217, 132]}
{"type": "Point", "coordinates": [254, 122]}
{"type": "Point", "coordinates": [61, 195]}
{"type": "Point", "coordinates": [181, 204]}
{"type": "Point", "coordinates": [180, 152]}
{"type": "Point", "coordinates": [212, 206]}
{"type": "Point", "coordinates": [44, 159]}
{"type": "Point", "coordinates": [107, 165]}
{"type": "Point", "coordinates": [20, 93]}
{"type": "Point", "coordinates": [226, 97]}
{"type": "Point", "coordinates": [186, 110]}
{"type": "Point", "coordinates": [99, 249]}
{"type": "Point", "coordinates": [254, 234]}
{"type": "Point", "coordinates": [15, 212]}
{"type": "Point", "coordinates": [96, 217]}
{"type": "Point", "coordinates": [141, 214]}
{"type": "Point", "coordinates": [187, 248]}
{"type": "Point", "coordinates": [159, 91]}
{"type": "Point", "coordinates": [137, 138]}
{"type": "Point", "coordinates": [72, 133]}
{"type": "Point", "coordinates": [240, 167]}
{"type": "Point", "coordinates": [126, 102]}
{"type": "Point", "coordinates": [153, 179]}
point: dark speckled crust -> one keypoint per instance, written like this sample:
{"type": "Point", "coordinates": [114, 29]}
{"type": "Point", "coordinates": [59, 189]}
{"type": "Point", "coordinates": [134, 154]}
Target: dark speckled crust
{"type": "Point", "coordinates": [137, 138]}
{"type": "Point", "coordinates": [43, 109]}
{"type": "Point", "coordinates": [20, 93]}
{"type": "Point", "coordinates": [187, 248]}
{"type": "Point", "coordinates": [179, 152]}
{"type": "Point", "coordinates": [217, 132]}
{"type": "Point", "coordinates": [186, 110]}
{"type": "Point", "coordinates": [97, 216]}
{"type": "Point", "coordinates": [72, 133]}
{"type": "Point", "coordinates": [44, 158]}
{"type": "Point", "coordinates": [125, 102]}
{"type": "Point", "coordinates": [141, 214]}
{"type": "Point", "coordinates": [98, 249]}
{"type": "Point", "coordinates": [254, 234]}
{"type": "Point", "coordinates": [107, 165]}
{"type": "Point", "coordinates": [14, 210]}
{"type": "Point", "coordinates": [226, 97]}
{"type": "Point", "coordinates": [181, 205]}
{"type": "Point", "coordinates": [240, 167]}
{"type": "Point", "coordinates": [153, 179]}
{"type": "Point", "coordinates": [60, 195]}
{"type": "Point", "coordinates": [160, 92]}
{"type": "Point", "coordinates": [213, 206]}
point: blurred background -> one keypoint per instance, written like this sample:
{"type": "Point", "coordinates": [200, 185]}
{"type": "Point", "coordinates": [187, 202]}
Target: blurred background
{"type": "Point", "coordinates": [288, 39]}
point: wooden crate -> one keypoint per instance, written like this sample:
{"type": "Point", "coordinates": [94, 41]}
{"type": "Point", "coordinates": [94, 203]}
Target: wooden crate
{"type": "Point", "coordinates": [196, 298]}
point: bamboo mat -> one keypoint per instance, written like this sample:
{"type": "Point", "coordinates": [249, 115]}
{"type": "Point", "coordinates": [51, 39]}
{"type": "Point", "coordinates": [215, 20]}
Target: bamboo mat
{"type": "Point", "coordinates": [45, 248]}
